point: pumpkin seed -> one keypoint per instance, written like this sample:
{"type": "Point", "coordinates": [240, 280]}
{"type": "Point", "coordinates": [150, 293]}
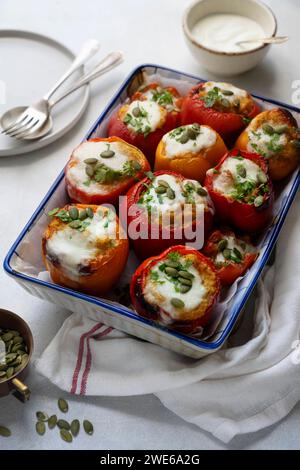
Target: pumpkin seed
{"type": "Point", "coordinates": [83, 215]}
{"type": "Point", "coordinates": [52, 421]}
{"type": "Point", "coordinates": [160, 189]}
{"type": "Point", "coordinates": [241, 171]}
{"type": "Point", "coordinates": [172, 264]}
{"type": "Point", "coordinates": [225, 103]}
{"type": "Point", "coordinates": [88, 427]}
{"type": "Point", "coordinates": [171, 271]}
{"type": "Point", "coordinates": [10, 372]}
{"type": "Point", "coordinates": [222, 244]}
{"type": "Point", "coordinates": [227, 253]}
{"type": "Point", "coordinates": [262, 177]}
{"type": "Point", "coordinates": [7, 337]}
{"type": "Point", "coordinates": [63, 405]}
{"type": "Point", "coordinates": [4, 431]}
{"type": "Point", "coordinates": [136, 111]}
{"type": "Point", "coordinates": [90, 170]}
{"type": "Point", "coordinates": [295, 143]}
{"type": "Point", "coordinates": [227, 92]}
{"type": "Point", "coordinates": [73, 213]}
{"type": "Point", "coordinates": [3, 367]}
{"type": "Point", "coordinates": [10, 357]}
{"type": "Point", "coordinates": [281, 129]}
{"type": "Point", "coordinates": [90, 212]}
{"type": "Point", "coordinates": [201, 191]}
{"type": "Point", "coordinates": [107, 154]}
{"type": "Point", "coordinates": [192, 134]}
{"type": "Point", "coordinates": [186, 274]}
{"type": "Point", "coordinates": [63, 424]}
{"type": "Point", "coordinates": [268, 129]}
{"type": "Point", "coordinates": [170, 193]}
{"type": "Point", "coordinates": [184, 138]}
{"type": "Point", "coordinates": [75, 426]}
{"type": "Point", "coordinates": [237, 253]}
{"type": "Point", "coordinates": [40, 428]}
{"type": "Point", "coordinates": [66, 435]}
{"type": "Point", "coordinates": [2, 374]}
{"type": "Point", "coordinates": [41, 416]}
{"type": "Point", "coordinates": [136, 165]}
{"type": "Point", "coordinates": [258, 201]}
{"type": "Point", "coordinates": [17, 339]}
{"type": "Point", "coordinates": [183, 289]}
{"type": "Point", "coordinates": [177, 303]}
{"type": "Point", "coordinates": [15, 348]}
{"type": "Point", "coordinates": [91, 161]}
{"type": "Point", "coordinates": [163, 183]}
{"type": "Point", "coordinates": [186, 282]}
{"type": "Point", "coordinates": [75, 224]}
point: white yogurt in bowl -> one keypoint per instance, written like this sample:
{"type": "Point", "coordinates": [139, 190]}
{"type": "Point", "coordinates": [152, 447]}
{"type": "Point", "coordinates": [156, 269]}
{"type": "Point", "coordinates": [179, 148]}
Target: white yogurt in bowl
{"type": "Point", "coordinates": [222, 31]}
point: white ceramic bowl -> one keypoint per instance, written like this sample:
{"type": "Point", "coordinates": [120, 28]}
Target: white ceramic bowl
{"type": "Point", "coordinates": [228, 63]}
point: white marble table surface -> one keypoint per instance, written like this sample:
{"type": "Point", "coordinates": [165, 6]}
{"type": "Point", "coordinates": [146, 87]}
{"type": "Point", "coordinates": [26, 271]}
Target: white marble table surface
{"type": "Point", "coordinates": [147, 31]}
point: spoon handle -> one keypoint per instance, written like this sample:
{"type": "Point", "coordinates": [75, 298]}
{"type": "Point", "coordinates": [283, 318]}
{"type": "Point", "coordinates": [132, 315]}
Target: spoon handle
{"type": "Point", "coordinates": [86, 52]}
{"type": "Point", "coordinates": [108, 63]}
{"type": "Point", "coordinates": [271, 40]}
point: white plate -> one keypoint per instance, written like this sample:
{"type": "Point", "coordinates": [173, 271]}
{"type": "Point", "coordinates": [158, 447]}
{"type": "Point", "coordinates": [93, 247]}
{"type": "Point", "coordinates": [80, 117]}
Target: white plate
{"type": "Point", "coordinates": [30, 64]}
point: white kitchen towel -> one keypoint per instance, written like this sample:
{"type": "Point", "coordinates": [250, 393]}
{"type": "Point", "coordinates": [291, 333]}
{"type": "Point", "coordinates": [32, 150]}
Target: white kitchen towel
{"type": "Point", "coordinates": [251, 383]}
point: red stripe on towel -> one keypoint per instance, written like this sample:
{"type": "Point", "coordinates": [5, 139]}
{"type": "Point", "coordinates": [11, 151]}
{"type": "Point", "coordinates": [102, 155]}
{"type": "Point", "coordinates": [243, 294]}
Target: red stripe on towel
{"type": "Point", "coordinates": [80, 355]}
{"type": "Point", "coordinates": [88, 363]}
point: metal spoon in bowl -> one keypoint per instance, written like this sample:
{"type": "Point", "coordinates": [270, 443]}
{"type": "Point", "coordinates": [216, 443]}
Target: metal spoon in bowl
{"type": "Point", "coordinates": [271, 40]}
{"type": "Point", "coordinates": [108, 63]}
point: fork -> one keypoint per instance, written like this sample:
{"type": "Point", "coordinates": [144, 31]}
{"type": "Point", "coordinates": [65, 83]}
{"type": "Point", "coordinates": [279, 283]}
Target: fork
{"type": "Point", "coordinates": [35, 115]}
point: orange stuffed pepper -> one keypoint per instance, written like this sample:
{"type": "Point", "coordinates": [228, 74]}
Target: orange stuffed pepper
{"type": "Point", "coordinates": [190, 150]}
{"type": "Point", "coordinates": [85, 248]}
{"type": "Point", "coordinates": [275, 135]}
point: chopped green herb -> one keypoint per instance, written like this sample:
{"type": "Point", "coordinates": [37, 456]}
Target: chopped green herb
{"type": "Point", "coordinates": [211, 97]}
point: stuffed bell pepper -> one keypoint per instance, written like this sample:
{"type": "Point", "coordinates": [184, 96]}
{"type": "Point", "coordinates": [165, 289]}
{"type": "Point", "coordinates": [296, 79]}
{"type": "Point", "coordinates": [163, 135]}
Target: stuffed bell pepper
{"type": "Point", "coordinates": [232, 256]}
{"type": "Point", "coordinates": [241, 191]}
{"type": "Point", "coordinates": [177, 288]}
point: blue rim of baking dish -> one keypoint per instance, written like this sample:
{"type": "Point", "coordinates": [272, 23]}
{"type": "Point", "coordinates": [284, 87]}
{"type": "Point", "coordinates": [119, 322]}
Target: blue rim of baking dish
{"type": "Point", "coordinates": [237, 307]}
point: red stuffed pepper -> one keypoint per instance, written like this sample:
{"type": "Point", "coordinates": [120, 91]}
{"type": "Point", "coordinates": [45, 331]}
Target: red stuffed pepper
{"type": "Point", "coordinates": [232, 256]}
{"type": "Point", "coordinates": [222, 106]}
{"type": "Point", "coordinates": [241, 190]}
{"type": "Point", "coordinates": [165, 209]}
{"type": "Point", "coordinates": [100, 170]}
{"type": "Point", "coordinates": [177, 289]}
{"type": "Point", "coordinates": [151, 113]}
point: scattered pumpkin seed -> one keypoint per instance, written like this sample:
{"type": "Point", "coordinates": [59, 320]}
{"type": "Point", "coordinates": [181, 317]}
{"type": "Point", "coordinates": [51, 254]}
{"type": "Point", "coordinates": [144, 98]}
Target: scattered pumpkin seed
{"type": "Point", "coordinates": [75, 427]}
{"type": "Point", "coordinates": [192, 134]}
{"type": "Point", "coordinates": [91, 161]}
{"type": "Point", "coordinates": [186, 282]}
{"type": "Point", "coordinates": [237, 253]}
{"type": "Point", "coordinates": [66, 435]}
{"type": "Point", "coordinates": [184, 138]}
{"type": "Point", "coordinates": [201, 191]}
{"type": "Point", "coordinates": [73, 212]}
{"type": "Point", "coordinates": [225, 102]}
{"type": "Point", "coordinates": [163, 183]}
{"type": "Point", "coordinates": [281, 129]}
{"type": "Point", "coordinates": [222, 244]}
{"type": "Point", "coordinates": [107, 154]}
{"type": "Point", "coordinates": [268, 129]}
{"type": "Point", "coordinates": [183, 289]}
{"type": "Point", "coordinates": [90, 212]}
{"type": "Point", "coordinates": [88, 427]}
{"type": "Point", "coordinates": [177, 303]}
{"type": "Point", "coordinates": [52, 421]}
{"type": "Point", "coordinates": [10, 372]}
{"type": "Point", "coordinates": [136, 111]}
{"type": "Point", "coordinates": [171, 264]}
{"type": "Point", "coordinates": [170, 193]}
{"type": "Point", "coordinates": [63, 405]}
{"type": "Point", "coordinates": [186, 274]}
{"type": "Point", "coordinates": [90, 170]}
{"type": "Point", "coordinates": [17, 340]}
{"type": "Point", "coordinates": [136, 165]}
{"type": "Point", "coordinates": [160, 189]}
{"type": "Point", "coordinates": [40, 428]}
{"type": "Point", "coordinates": [227, 92]}
{"type": "Point", "coordinates": [63, 424]}
{"type": "Point", "coordinates": [227, 253]}
{"type": "Point", "coordinates": [75, 224]}
{"type": "Point", "coordinates": [171, 271]}
{"type": "Point", "coordinates": [4, 431]}
{"type": "Point", "coordinates": [258, 201]}
{"type": "Point", "coordinates": [41, 416]}
{"type": "Point", "coordinates": [83, 215]}
{"type": "Point", "coordinates": [7, 337]}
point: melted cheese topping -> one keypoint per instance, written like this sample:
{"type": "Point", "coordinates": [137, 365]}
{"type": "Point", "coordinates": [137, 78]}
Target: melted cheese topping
{"type": "Point", "coordinates": [237, 92]}
{"type": "Point", "coordinates": [75, 249]}
{"type": "Point", "coordinates": [161, 291]}
{"type": "Point", "coordinates": [265, 144]}
{"type": "Point", "coordinates": [205, 139]}
{"type": "Point", "coordinates": [224, 181]}
{"type": "Point", "coordinates": [150, 120]}
{"type": "Point", "coordinates": [77, 174]}
{"type": "Point", "coordinates": [163, 204]}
